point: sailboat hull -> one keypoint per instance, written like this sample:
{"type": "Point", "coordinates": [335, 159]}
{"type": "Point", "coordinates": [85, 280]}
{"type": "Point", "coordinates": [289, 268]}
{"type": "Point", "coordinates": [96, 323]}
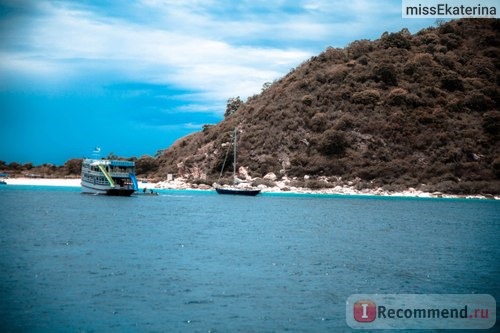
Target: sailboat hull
{"type": "Point", "coordinates": [238, 191]}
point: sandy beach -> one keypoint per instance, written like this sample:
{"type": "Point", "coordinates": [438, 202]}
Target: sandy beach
{"type": "Point", "coordinates": [180, 184]}
{"type": "Point", "coordinates": [71, 182]}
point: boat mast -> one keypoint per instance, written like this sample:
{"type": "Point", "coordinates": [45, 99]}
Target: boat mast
{"type": "Point", "coordinates": [234, 160]}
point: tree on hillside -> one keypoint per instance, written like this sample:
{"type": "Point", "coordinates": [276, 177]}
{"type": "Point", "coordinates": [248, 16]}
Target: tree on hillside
{"type": "Point", "coordinates": [14, 166]}
{"type": "Point", "coordinates": [112, 156]}
{"type": "Point", "coordinates": [233, 104]}
{"type": "Point", "coordinates": [73, 166]}
{"type": "Point", "coordinates": [266, 86]}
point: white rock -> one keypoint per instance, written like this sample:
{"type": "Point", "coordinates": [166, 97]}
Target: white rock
{"type": "Point", "coordinates": [270, 176]}
{"type": "Point", "coordinates": [242, 171]}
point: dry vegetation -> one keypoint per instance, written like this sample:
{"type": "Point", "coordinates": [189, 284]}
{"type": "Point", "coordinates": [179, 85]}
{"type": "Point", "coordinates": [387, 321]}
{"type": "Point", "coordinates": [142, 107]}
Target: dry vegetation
{"type": "Point", "coordinates": [402, 111]}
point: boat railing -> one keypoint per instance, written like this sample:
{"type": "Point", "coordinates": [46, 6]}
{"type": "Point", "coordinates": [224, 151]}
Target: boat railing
{"type": "Point", "coordinates": [120, 174]}
{"type": "Point", "coordinates": [112, 173]}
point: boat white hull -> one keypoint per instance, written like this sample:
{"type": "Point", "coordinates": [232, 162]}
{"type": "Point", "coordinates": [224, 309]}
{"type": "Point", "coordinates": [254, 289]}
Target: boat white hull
{"type": "Point", "coordinates": [89, 188]}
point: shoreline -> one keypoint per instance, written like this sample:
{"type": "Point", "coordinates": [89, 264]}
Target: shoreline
{"type": "Point", "coordinates": [179, 184]}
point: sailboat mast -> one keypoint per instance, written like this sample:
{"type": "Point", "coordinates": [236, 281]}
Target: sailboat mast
{"type": "Point", "coordinates": [234, 160]}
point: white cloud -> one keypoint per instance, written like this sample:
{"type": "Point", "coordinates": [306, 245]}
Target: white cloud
{"type": "Point", "coordinates": [27, 65]}
{"type": "Point", "coordinates": [67, 40]}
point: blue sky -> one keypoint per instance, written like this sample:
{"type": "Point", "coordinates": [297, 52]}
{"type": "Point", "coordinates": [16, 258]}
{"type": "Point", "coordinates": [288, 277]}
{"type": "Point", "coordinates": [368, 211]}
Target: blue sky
{"type": "Point", "coordinates": [134, 76]}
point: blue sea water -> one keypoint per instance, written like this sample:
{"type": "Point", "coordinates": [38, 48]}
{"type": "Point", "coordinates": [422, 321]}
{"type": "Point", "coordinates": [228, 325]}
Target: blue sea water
{"type": "Point", "coordinates": [192, 261]}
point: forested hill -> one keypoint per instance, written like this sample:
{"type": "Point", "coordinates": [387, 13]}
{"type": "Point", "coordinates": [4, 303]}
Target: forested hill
{"type": "Point", "coordinates": [401, 111]}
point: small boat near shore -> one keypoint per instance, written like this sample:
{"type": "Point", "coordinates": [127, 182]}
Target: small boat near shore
{"type": "Point", "coordinates": [108, 177]}
{"type": "Point", "coordinates": [146, 192]}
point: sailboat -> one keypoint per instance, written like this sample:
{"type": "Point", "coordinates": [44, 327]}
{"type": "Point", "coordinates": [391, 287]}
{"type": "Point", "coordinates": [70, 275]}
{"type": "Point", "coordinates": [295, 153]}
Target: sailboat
{"type": "Point", "coordinates": [235, 190]}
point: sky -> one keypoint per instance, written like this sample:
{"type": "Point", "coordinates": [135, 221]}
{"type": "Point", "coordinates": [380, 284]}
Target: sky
{"type": "Point", "coordinates": [132, 77]}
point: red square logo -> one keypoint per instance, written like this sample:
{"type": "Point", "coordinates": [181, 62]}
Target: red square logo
{"type": "Point", "coordinates": [365, 311]}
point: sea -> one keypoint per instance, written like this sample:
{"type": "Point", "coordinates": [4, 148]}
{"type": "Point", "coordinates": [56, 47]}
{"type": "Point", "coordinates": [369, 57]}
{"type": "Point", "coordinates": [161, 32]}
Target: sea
{"type": "Point", "coordinates": [195, 261]}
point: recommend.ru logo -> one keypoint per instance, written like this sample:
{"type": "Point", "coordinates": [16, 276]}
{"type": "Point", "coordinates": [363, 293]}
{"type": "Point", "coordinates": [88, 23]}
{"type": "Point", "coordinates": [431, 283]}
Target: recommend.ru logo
{"type": "Point", "coordinates": [421, 311]}
{"type": "Point", "coordinates": [365, 311]}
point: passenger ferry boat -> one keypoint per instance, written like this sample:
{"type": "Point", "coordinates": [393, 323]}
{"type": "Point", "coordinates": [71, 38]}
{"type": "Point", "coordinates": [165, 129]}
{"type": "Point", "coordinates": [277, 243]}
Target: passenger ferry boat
{"type": "Point", "coordinates": [109, 177]}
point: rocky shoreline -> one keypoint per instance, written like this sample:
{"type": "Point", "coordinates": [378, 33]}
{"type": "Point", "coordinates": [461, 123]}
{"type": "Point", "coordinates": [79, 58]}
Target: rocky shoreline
{"type": "Point", "coordinates": [270, 184]}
